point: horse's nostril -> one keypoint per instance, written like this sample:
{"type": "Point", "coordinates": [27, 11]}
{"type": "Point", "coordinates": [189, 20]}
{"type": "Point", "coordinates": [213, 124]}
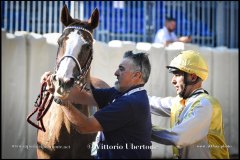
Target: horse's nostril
{"type": "Point", "coordinates": [54, 77]}
{"type": "Point", "coordinates": [70, 82]}
{"type": "Point", "coordinates": [60, 81]}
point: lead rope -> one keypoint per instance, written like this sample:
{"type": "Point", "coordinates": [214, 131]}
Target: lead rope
{"type": "Point", "coordinates": [40, 104]}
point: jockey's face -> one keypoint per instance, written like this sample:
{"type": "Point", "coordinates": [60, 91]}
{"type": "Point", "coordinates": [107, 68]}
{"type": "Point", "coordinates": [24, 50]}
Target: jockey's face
{"type": "Point", "coordinates": [178, 81]}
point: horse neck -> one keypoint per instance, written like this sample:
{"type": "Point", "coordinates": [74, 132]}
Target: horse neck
{"type": "Point", "coordinates": [85, 109]}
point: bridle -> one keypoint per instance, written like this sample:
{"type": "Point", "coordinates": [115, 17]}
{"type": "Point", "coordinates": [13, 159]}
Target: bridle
{"type": "Point", "coordinates": [79, 80]}
{"type": "Point", "coordinates": [44, 95]}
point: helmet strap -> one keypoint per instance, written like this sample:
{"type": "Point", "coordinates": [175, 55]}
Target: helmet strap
{"type": "Point", "coordinates": [185, 86]}
{"type": "Point", "coordinates": [186, 83]}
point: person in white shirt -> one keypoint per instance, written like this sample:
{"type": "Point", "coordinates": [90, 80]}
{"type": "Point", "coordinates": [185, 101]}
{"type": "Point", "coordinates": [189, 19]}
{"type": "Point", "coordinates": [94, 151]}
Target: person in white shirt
{"type": "Point", "coordinates": [166, 35]}
{"type": "Point", "coordinates": [196, 120]}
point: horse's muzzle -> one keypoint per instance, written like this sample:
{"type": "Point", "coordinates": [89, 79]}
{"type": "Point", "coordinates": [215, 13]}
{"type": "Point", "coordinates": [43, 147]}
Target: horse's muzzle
{"type": "Point", "coordinates": [62, 86]}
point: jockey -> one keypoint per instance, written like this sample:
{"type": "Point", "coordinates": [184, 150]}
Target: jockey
{"type": "Point", "coordinates": [195, 117]}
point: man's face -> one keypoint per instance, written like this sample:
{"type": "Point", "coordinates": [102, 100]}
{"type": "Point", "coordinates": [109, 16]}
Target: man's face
{"type": "Point", "coordinates": [124, 73]}
{"type": "Point", "coordinates": [178, 82]}
{"type": "Point", "coordinates": [171, 26]}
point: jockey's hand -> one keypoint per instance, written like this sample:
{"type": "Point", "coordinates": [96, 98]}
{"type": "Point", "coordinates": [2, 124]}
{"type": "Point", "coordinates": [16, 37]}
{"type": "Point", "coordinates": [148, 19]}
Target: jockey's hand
{"type": "Point", "coordinates": [47, 77]}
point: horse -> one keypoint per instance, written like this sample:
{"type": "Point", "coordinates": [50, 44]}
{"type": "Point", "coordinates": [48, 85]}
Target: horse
{"type": "Point", "coordinates": [74, 56]}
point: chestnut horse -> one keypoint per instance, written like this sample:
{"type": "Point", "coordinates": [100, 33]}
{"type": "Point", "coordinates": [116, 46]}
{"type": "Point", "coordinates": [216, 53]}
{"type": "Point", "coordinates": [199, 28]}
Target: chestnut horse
{"type": "Point", "coordinates": [74, 56]}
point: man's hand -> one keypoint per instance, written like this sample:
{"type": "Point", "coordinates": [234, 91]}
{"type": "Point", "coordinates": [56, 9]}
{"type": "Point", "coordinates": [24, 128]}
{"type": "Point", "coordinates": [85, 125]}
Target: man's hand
{"type": "Point", "coordinates": [185, 39]}
{"type": "Point", "coordinates": [47, 77]}
{"type": "Point", "coordinates": [78, 96]}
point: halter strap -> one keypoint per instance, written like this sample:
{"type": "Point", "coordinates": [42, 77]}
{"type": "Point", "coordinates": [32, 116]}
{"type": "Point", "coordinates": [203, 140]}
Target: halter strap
{"type": "Point", "coordinates": [76, 61]}
{"type": "Point", "coordinates": [79, 28]}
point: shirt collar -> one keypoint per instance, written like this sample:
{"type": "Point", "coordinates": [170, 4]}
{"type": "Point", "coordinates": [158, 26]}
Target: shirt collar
{"type": "Point", "coordinates": [196, 92]}
{"type": "Point", "coordinates": [130, 90]}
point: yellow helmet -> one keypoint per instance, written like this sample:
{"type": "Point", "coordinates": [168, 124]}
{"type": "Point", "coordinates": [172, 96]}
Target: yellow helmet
{"type": "Point", "coordinates": [190, 62]}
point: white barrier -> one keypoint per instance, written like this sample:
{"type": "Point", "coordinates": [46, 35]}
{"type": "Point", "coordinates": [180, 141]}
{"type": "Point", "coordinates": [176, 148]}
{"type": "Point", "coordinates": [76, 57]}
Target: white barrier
{"type": "Point", "coordinates": [26, 56]}
{"type": "Point", "coordinates": [14, 92]}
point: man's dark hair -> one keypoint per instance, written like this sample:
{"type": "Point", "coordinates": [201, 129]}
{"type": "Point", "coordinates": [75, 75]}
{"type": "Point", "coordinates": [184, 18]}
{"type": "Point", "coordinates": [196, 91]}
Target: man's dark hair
{"type": "Point", "coordinates": [141, 61]}
{"type": "Point", "coordinates": [169, 19]}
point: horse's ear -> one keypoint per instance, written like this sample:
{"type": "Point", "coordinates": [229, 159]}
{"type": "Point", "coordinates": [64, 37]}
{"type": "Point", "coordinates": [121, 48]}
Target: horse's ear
{"type": "Point", "coordinates": [66, 18]}
{"type": "Point", "coordinates": [94, 19]}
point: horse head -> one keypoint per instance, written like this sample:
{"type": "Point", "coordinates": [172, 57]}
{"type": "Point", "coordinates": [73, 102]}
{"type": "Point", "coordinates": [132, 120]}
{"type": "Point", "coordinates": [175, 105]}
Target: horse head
{"type": "Point", "coordinates": [75, 52]}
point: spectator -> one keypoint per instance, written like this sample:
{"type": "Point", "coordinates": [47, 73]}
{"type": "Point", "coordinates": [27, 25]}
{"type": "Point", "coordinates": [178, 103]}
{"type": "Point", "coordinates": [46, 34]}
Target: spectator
{"type": "Point", "coordinates": [166, 35]}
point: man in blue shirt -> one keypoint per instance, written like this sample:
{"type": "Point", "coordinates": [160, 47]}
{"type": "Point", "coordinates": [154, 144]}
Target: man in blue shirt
{"type": "Point", "coordinates": [124, 115]}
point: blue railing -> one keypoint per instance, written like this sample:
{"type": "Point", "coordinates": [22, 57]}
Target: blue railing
{"type": "Point", "coordinates": [211, 23]}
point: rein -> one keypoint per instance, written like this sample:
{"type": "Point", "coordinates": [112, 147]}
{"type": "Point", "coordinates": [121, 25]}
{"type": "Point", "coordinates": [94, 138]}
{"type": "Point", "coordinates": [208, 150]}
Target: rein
{"type": "Point", "coordinates": [40, 104]}
{"type": "Point", "coordinates": [43, 97]}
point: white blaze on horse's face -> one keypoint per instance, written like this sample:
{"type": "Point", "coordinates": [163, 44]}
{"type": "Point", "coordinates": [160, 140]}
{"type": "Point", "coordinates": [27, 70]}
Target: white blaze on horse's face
{"type": "Point", "coordinates": [73, 45]}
